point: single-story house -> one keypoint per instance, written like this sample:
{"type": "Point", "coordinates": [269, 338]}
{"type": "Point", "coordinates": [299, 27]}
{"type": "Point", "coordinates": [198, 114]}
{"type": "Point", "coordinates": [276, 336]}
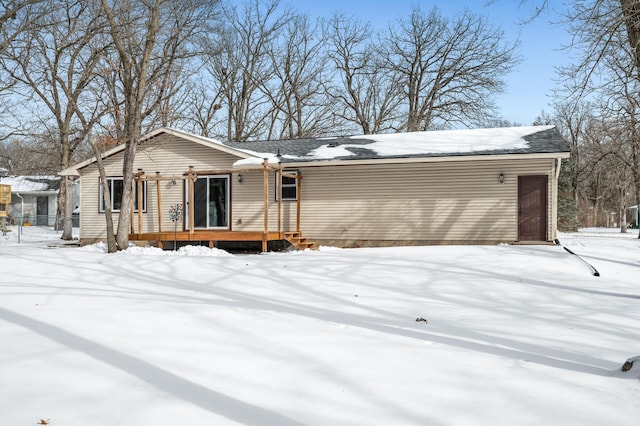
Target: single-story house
{"type": "Point", "coordinates": [34, 199]}
{"type": "Point", "coordinates": [479, 186]}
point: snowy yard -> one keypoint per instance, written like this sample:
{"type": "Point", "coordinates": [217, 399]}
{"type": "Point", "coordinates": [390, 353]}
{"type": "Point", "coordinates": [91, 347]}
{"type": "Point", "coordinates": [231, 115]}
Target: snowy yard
{"type": "Point", "coordinates": [513, 335]}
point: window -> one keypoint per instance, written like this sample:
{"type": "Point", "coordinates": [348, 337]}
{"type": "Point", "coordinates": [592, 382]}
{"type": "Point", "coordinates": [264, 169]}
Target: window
{"type": "Point", "coordinates": [289, 186]}
{"type": "Point", "coordinates": [116, 187]}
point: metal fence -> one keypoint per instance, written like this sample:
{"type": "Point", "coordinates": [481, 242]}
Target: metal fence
{"type": "Point", "coordinates": [54, 221]}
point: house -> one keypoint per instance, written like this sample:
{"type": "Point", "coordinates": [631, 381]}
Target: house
{"type": "Point", "coordinates": [633, 216]}
{"type": "Point", "coordinates": [34, 199]}
{"type": "Point", "coordinates": [441, 187]}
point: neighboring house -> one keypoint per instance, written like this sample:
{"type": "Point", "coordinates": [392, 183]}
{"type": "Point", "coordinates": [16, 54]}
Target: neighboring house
{"type": "Point", "coordinates": [634, 214]}
{"type": "Point", "coordinates": [33, 198]}
{"type": "Point", "coordinates": [442, 187]}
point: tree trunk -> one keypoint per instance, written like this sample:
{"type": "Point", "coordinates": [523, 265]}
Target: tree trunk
{"type": "Point", "coordinates": [67, 225]}
{"type": "Point", "coordinates": [65, 185]}
{"type": "Point", "coordinates": [124, 220]}
{"type": "Point", "coordinates": [635, 170]}
{"type": "Point", "coordinates": [637, 185]}
{"type": "Point", "coordinates": [61, 200]}
{"type": "Point", "coordinates": [631, 14]}
{"type": "Point", "coordinates": [623, 212]}
{"type": "Point", "coordinates": [112, 247]}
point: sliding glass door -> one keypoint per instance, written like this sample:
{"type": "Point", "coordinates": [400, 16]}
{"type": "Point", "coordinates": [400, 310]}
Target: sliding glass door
{"type": "Point", "coordinates": [210, 202]}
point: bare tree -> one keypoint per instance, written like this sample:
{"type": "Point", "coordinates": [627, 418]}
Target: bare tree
{"type": "Point", "coordinates": [203, 106]}
{"type": "Point", "coordinates": [366, 94]}
{"type": "Point", "coordinates": [176, 95]}
{"type": "Point", "coordinates": [150, 40]}
{"type": "Point", "coordinates": [18, 16]}
{"type": "Point", "coordinates": [620, 167]}
{"type": "Point", "coordinates": [574, 120]}
{"type": "Point", "coordinates": [450, 69]}
{"type": "Point", "coordinates": [607, 180]}
{"type": "Point", "coordinates": [242, 66]}
{"type": "Point", "coordinates": [631, 17]}
{"type": "Point", "coordinates": [607, 33]}
{"type": "Point", "coordinates": [297, 89]}
{"type": "Point", "coordinates": [37, 154]}
{"type": "Point", "coordinates": [54, 62]}
{"type": "Point", "coordinates": [625, 121]}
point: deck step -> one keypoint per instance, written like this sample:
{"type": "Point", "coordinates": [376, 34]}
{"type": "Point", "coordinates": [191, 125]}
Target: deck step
{"type": "Point", "coordinates": [298, 241]}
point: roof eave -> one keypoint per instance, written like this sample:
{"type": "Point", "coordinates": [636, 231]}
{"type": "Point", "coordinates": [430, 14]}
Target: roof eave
{"type": "Point", "coordinates": [439, 159]}
{"type": "Point", "coordinates": [45, 192]}
{"type": "Point", "coordinates": [73, 170]}
{"type": "Point", "coordinates": [210, 143]}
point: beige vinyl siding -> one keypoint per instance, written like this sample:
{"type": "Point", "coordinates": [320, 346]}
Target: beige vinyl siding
{"type": "Point", "coordinates": [248, 204]}
{"type": "Point", "coordinates": [452, 201]}
{"type": "Point", "coordinates": [443, 201]}
{"type": "Point", "coordinates": [169, 155]}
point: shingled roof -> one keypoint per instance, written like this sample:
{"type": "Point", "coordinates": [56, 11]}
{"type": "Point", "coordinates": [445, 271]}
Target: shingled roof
{"type": "Point", "coordinates": [466, 142]}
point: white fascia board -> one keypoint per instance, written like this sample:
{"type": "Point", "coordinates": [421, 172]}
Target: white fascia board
{"type": "Point", "coordinates": [73, 170]}
{"type": "Point", "coordinates": [53, 192]}
{"type": "Point", "coordinates": [209, 143]}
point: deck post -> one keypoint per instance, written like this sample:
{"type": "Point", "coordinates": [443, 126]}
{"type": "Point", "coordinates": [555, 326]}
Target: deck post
{"type": "Point", "coordinates": [280, 170]}
{"type": "Point", "coordinates": [159, 202]}
{"type": "Point", "coordinates": [140, 206]}
{"type": "Point", "coordinates": [298, 198]}
{"type": "Point", "coordinates": [265, 231]}
{"type": "Point", "coordinates": [191, 198]}
{"type": "Point", "coordinates": [131, 213]}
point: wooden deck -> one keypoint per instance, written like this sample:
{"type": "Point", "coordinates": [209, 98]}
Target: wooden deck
{"type": "Point", "coordinates": [211, 235]}
{"type": "Point", "coordinates": [295, 238]}
{"type": "Point", "coordinates": [208, 235]}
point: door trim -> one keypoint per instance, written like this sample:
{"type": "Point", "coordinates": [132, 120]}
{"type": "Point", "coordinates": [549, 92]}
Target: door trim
{"type": "Point", "coordinates": [228, 185]}
{"type": "Point", "coordinates": [533, 219]}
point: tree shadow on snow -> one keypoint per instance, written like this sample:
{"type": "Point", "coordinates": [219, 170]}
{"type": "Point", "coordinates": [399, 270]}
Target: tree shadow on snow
{"type": "Point", "coordinates": [161, 379]}
{"type": "Point", "coordinates": [387, 322]}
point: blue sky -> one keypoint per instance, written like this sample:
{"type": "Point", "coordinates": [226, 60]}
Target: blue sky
{"type": "Point", "coordinates": [529, 85]}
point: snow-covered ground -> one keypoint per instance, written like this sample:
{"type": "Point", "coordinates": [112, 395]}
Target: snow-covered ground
{"type": "Point", "coordinates": [513, 335]}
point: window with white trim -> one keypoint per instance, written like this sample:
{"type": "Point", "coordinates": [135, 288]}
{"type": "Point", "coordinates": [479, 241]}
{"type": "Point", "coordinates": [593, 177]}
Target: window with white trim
{"type": "Point", "coordinates": [116, 187]}
{"type": "Point", "coordinates": [289, 186]}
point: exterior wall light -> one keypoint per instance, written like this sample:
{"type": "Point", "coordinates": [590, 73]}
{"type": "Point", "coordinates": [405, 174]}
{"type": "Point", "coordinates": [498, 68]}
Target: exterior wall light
{"type": "Point", "coordinates": [240, 178]}
{"type": "Point", "coordinates": [501, 178]}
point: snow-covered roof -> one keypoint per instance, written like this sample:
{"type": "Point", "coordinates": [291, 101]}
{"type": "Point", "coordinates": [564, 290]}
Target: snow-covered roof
{"type": "Point", "coordinates": [256, 160]}
{"type": "Point", "coordinates": [504, 140]}
{"type": "Point", "coordinates": [29, 184]}
{"type": "Point", "coordinates": [445, 143]}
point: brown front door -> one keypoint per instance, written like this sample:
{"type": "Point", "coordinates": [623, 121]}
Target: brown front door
{"type": "Point", "coordinates": [532, 208]}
